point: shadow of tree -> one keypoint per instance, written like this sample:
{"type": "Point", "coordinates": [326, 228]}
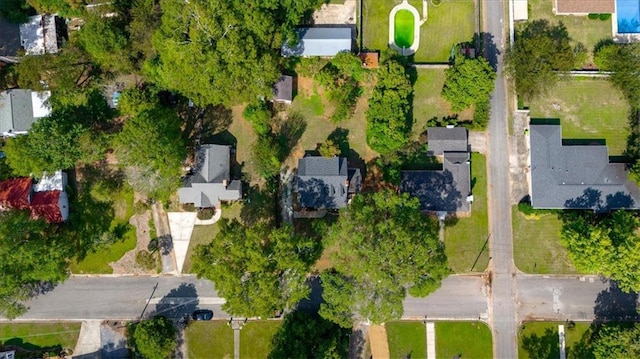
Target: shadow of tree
{"type": "Point", "coordinates": [290, 130]}
{"type": "Point", "coordinates": [488, 48]}
{"type": "Point", "coordinates": [340, 136]}
{"type": "Point", "coordinates": [260, 206]}
{"type": "Point", "coordinates": [178, 303]}
{"type": "Point", "coordinates": [614, 304]}
{"type": "Point", "coordinates": [592, 199]}
{"type": "Point", "coordinates": [545, 346]}
{"type": "Point", "coordinates": [202, 123]}
{"type": "Point", "coordinates": [312, 304]}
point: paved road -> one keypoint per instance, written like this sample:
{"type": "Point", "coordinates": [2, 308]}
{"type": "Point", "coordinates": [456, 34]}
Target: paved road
{"type": "Point", "coordinates": [502, 299]}
{"type": "Point", "coordinates": [124, 298]}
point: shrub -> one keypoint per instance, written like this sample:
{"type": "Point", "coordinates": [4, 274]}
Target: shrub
{"type": "Point", "coordinates": [259, 115]}
{"type": "Point", "coordinates": [205, 213]}
{"type": "Point", "coordinates": [525, 208]}
{"type": "Point", "coordinates": [310, 66]}
{"type": "Point", "coordinates": [328, 148]}
{"type": "Point", "coordinates": [593, 16]}
{"type": "Point", "coordinates": [481, 115]}
{"type": "Point", "coordinates": [146, 260]}
{"type": "Point", "coordinates": [604, 17]}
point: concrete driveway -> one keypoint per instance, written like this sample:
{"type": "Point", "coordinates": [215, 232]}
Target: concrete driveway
{"type": "Point", "coordinates": [181, 226]}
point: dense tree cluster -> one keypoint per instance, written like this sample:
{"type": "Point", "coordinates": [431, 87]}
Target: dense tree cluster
{"type": "Point", "coordinates": [388, 116]}
{"type": "Point", "coordinates": [617, 341]}
{"type": "Point", "coordinates": [387, 248]}
{"type": "Point", "coordinates": [154, 338]}
{"type": "Point", "coordinates": [540, 49]}
{"type": "Point", "coordinates": [468, 82]}
{"type": "Point", "coordinates": [340, 78]}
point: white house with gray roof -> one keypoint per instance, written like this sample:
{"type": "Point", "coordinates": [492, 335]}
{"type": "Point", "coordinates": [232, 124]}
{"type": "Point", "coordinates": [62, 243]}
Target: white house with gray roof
{"type": "Point", "coordinates": [326, 183]}
{"type": "Point", "coordinates": [320, 41]}
{"type": "Point", "coordinates": [41, 34]}
{"type": "Point", "coordinates": [569, 176]}
{"type": "Point", "coordinates": [20, 109]}
{"type": "Point", "coordinates": [210, 184]}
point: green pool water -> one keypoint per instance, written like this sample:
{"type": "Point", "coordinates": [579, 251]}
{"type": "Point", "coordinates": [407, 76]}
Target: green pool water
{"type": "Point", "coordinates": [404, 27]}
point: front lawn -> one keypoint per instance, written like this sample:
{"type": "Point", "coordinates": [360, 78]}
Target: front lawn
{"type": "Point", "coordinates": [255, 338]}
{"type": "Point", "coordinates": [587, 109]}
{"type": "Point", "coordinates": [406, 339]}
{"type": "Point", "coordinates": [464, 339]}
{"type": "Point", "coordinates": [212, 339]}
{"type": "Point", "coordinates": [540, 340]}
{"type": "Point", "coordinates": [536, 244]}
{"type": "Point", "coordinates": [451, 22]}
{"type": "Point", "coordinates": [39, 338]}
{"type": "Point", "coordinates": [465, 240]}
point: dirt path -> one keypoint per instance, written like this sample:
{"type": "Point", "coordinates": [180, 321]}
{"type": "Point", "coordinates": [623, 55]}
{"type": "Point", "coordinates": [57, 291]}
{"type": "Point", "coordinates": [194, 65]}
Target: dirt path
{"type": "Point", "coordinates": [378, 340]}
{"type": "Point", "coordinates": [127, 264]}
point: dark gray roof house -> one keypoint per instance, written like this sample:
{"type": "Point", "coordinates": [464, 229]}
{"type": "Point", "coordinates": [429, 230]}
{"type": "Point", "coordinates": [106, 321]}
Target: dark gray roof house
{"type": "Point", "coordinates": [576, 176]}
{"type": "Point", "coordinates": [9, 41]}
{"type": "Point", "coordinates": [283, 89]}
{"type": "Point", "coordinates": [447, 189]}
{"type": "Point", "coordinates": [326, 183]}
{"type": "Point", "coordinates": [39, 35]}
{"type": "Point", "coordinates": [320, 41]}
{"type": "Point", "coordinates": [19, 109]}
{"type": "Point", "coordinates": [210, 183]}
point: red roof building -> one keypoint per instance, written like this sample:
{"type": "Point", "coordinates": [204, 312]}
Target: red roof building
{"type": "Point", "coordinates": [49, 205]}
{"type": "Point", "coordinates": [15, 193]}
{"type": "Point", "coordinates": [47, 202]}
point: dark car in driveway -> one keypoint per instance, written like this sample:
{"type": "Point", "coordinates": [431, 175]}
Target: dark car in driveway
{"type": "Point", "coordinates": [202, 314]}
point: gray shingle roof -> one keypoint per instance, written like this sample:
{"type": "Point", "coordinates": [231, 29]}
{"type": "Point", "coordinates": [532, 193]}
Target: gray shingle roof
{"type": "Point", "coordinates": [443, 139]}
{"type": "Point", "coordinates": [324, 182]}
{"type": "Point", "coordinates": [576, 177]}
{"type": "Point", "coordinates": [210, 183]}
{"type": "Point", "coordinates": [10, 39]}
{"type": "Point", "coordinates": [283, 89]}
{"type": "Point", "coordinates": [17, 111]}
{"type": "Point", "coordinates": [448, 189]}
{"type": "Point", "coordinates": [320, 41]}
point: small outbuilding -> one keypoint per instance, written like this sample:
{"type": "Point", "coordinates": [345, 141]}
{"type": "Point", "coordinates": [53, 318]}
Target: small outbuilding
{"type": "Point", "coordinates": [320, 41]}
{"type": "Point", "coordinates": [283, 89]}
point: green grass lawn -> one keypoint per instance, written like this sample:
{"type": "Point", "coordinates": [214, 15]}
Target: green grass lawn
{"type": "Point", "coordinates": [255, 338]}
{"type": "Point", "coordinates": [205, 234]}
{"type": "Point", "coordinates": [580, 28]}
{"type": "Point", "coordinates": [540, 340]}
{"type": "Point", "coordinates": [212, 339]}
{"type": "Point", "coordinates": [536, 244]}
{"type": "Point", "coordinates": [406, 339]}
{"type": "Point", "coordinates": [587, 108]}
{"type": "Point", "coordinates": [40, 337]}
{"type": "Point", "coordinates": [466, 339]}
{"type": "Point", "coordinates": [452, 22]}
{"type": "Point", "coordinates": [464, 240]}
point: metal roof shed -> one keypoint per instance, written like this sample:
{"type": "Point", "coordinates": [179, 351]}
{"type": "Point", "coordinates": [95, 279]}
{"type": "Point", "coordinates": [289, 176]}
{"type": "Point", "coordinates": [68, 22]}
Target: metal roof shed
{"type": "Point", "coordinates": [320, 41]}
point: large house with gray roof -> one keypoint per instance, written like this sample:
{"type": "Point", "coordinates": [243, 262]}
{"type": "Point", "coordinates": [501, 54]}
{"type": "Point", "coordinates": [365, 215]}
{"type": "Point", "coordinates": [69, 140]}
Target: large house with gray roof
{"type": "Point", "coordinates": [448, 189]}
{"type": "Point", "coordinates": [326, 183]}
{"type": "Point", "coordinates": [210, 183]}
{"type": "Point", "coordinates": [20, 109]}
{"type": "Point", "coordinates": [568, 176]}
{"type": "Point", "coordinates": [320, 41]}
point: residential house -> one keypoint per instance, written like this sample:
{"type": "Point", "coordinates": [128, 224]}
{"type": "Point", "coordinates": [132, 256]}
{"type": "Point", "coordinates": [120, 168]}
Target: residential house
{"type": "Point", "coordinates": [210, 184]}
{"type": "Point", "coordinates": [584, 7]}
{"type": "Point", "coordinates": [45, 199]}
{"type": "Point", "coordinates": [20, 109]}
{"type": "Point", "coordinates": [320, 41]}
{"type": "Point", "coordinates": [325, 183]}
{"type": "Point", "coordinates": [447, 189]}
{"type": "Point", "coordinates": [41, 34]}
{"type": "Point", "coordinates": [576, 176]}
{"type": "Point", "coordinates": [283, 89]}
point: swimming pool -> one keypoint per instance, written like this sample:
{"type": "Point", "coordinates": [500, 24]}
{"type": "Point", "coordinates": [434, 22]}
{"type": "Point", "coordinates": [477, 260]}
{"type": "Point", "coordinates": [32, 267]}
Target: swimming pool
{"type": "Point", "coordinates": [628, 14]}
{"type": "Point", "coordinates": [404, 26]}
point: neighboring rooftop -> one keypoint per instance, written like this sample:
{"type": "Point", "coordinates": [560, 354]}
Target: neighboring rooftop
{"type": "Point", "coordinates": [283, 89]}
{"type": "Point", "coordinates": [320, 41]}
{"type": "Point", "coordinates": [15, 193]}
{"type": "Point", "coordinates": [209, 184]}
{"type": "Point", "coordinates": [447, 189]}
{"type": "Point", "coordinates": [10, 40]}
{"type": "Point", "coordinates": [19, 110]}
{"type": "Point", "coordinates": [585, 6]}
{"type": "Point", "coordinates": [325, 183]}
{"type": "Point", "coordinates": [40, 35]}
{"type": "Point", "coordinates": [576, 176]}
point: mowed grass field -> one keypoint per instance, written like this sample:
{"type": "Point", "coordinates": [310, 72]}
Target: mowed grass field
{"type": "Point", "coordinates": [463, 339]}
{"type": "Point", "coordinates": [256, 336]}
{"type": "Point", "coordinates": [40, 337]}
{"type": "Point", "coordinates": [451, 22]}
{"type": "Point", "coordinates": [406, 339]}
{"type": "Point", "coordinates": [540, 340]}
{"type": "Point", "coordinates": [212, 339]}
{"type": "Point", "coordinates": [464, 240]}
{"type": "Point", "coordinates": [587, 109]}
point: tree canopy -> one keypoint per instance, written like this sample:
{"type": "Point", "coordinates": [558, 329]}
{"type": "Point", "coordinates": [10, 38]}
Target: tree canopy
{"type": "Point", "coordinates": [468, 82]}
{"type": "Point", "coordinates": [223, 51]}
{"type": "Point", "coordinates": [624, 62]}
{"type": "Point", "coordinates": [388, 122]}
{"type": "Point", "coordinates": [616, 341]}
{"type": "Point", "coordinates": [154, 338]}
{"type": "Point", "coordinates": [387, 247]}
{"type": "Point", "coordinates": [540, 49]}
{"type": "Point", "coordinates": [258, 270]}
{"type": "Point", "coordinates": [104, 38]}
{"type": "Point", "coordinates": [607, 245]}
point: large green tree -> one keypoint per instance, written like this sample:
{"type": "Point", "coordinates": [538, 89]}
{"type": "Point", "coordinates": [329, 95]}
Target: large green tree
{"type": "Point", "coordinates": [624, 62]}
{"type": "Point", "coordinates": [616, 341]}
{"type": "Point", "coordinates": [605, 244]}
{"type": "Point", "coordinates": [468, 82]}
{"type": "Point", "coordinates": [219, 51]}
{"type": "Point", "coordinates": [388, 123]}
{"type": "Point", "coordinates": [540, 49]}
{"type": "Point", "coordinates": [154, 338]}
{"type": "Point", "coordinates": [32, 253]}
{"type": "Point", "coordinates": [104, 38]}
{"type": "Point", "coordinates": [258, 270]}
{"type": "Point", "coordinates": [151, 149]}
{"type": "Point", "coordinates": [387, 248]}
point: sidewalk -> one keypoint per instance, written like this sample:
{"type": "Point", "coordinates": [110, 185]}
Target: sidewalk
{"type": "Point", "coordinates": [378, 341]}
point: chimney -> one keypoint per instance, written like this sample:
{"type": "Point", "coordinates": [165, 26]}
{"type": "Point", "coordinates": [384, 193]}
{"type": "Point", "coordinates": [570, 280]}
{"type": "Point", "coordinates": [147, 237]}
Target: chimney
{"type": "Point", "coordinates": [346, 183]}
{"type": "Point", "coordinates": [224, 183]}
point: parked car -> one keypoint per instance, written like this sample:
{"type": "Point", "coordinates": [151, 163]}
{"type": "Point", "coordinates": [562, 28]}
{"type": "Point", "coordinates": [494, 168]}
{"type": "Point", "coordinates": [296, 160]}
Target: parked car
{"type": "Point", "coordinates": [202, 314]}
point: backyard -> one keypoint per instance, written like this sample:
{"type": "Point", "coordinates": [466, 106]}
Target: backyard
{"type": "Point", "coordinates": [536, 244]}
{"type": "Point", "coordinates": [38, 338]}
{"type": "Point", "coordinates": [540, 340]}
{"type": "Point", "coordinates": [448, 24]}
{"type": "Point", "coordinates": [580, 28]}
{"type": "Point", "coordinates": [587, 109]}
{"type": "Point", "coordinates": [464, 340]}
{"type": "Point", "coordinates": [212, 339]}
{"type": "Point", "coordinates": [465, 240]}
{"type": "Point", "coordinates": [406, 339]}
{"type": "Point", "coordinates": [256, 336]}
